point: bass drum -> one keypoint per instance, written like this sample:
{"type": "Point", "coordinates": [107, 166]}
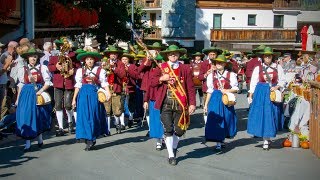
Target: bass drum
{"type": "Point", "coordinates": [102, 95]}
{"type": "Point", "coordinates": [43, 99]}
{"type": "Point", "coordinates": [276, 96]}
{"type": "Point", "coordinates": [229, 99]}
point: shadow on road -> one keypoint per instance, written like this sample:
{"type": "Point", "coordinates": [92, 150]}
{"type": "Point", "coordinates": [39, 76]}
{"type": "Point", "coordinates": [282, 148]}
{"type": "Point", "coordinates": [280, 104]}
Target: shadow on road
{"type": "Point", "coordinates": [6, 175]}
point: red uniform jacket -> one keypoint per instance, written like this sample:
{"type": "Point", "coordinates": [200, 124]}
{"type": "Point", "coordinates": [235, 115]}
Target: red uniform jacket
{"type": "Point", "coordinates": [205, 66]}
{"type": "Point", "coordinates": [235, 67]}
{"type": "Point", "coordinates": [132, 76]}
{"type": "Point", "coordinates": [144, 71]}
{"type": "Point", "coordinates": [58, 80]}
{"type": "Point", "coordinates": [151, 93]}
{"type": "Point", "coordinates": [250, 67]}
{"type": "Point", "coordinates": [188, 86]}
{"type": "Point", "coordinates": [116, 78]}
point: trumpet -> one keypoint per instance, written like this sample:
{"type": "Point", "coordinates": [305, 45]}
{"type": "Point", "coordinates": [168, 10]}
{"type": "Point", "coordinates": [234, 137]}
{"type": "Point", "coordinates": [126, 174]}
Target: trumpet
{"type": "Point", "coordinates": [107, 66]}
{"type": "Point", "coordinates": [64, 60]}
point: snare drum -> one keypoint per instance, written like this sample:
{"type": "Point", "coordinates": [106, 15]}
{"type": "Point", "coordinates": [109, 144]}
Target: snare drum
{"type": "Point", "coordinates": [43, 99]}
{"type": "Point", "coordinates": [276, 96]}
{"type": "Point", "coordinates": [229, 99]}
{"type": "Point", "coordinates": [102, 95]}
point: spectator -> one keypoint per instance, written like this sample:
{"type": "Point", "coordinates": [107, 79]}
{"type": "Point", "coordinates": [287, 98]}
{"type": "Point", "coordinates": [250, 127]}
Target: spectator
{"type": "Point", "coordinates": [47, 48]}
{"type": "Point", "coordinates": [6, 60]}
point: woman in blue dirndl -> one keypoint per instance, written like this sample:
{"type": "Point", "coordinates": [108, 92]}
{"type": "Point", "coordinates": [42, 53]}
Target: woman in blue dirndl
{"type": "Point", "coordinates": [221, 119]}
{"type": "Point", "coordinates": [91, 118]}
{"type": "Point", "coordinates": [32, 119]}
{"type": "Point", "coordinates": [265, 117]}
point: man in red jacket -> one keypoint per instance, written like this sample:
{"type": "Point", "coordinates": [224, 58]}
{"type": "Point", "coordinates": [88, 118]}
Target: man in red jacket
{"type": "Point", "coordinates": [129, 83]}
{"type": "Point", "coordinates": [205, 70]}
{"type": "Point", "coordinates": [63, 89]}
{"type": "Point", "coordinates": [176, 97]}
{"type": "Point", "coordinates": [250, 65]}
{"type": "Point", "coordinates": [115, 74]}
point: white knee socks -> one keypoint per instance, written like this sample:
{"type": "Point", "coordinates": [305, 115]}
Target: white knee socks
{"type": "Point", "coordinates": [122, 119]}
{"type": "Point", "coordinates": [75, 116]}
{"type": "Point", "coordinates": [28, 144]}
{"type": "Point", "coordinates": [116, 120]}
{"type": "Point", "coordinates": [169, 144]}
{"type": "Point", "coordinates": [205, 119]}
{"type": "Point", "coordinates": [40, 140]}
{"type": "Point", "coordinates": [59, 115]}
{"type": "Point", "coordinates": [130, 116]}
{"type": "Point", "coordinates": [108, 122]}
{"type": "Point", "coordinates": [69, 114]}
{"type": "Point", "coordinates": [175, 141]}
{"type": "Point", "coordinates": [148, 121]}
{"type": "Point", "coordinates": [159, 142]}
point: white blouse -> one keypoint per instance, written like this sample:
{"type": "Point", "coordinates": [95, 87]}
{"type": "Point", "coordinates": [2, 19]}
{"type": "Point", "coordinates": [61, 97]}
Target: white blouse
{"type": "Point", "coordinates": [102, 76]}
{"type": "Point", "coordinates": [44, 72]}
{"type": "Point", "coordinates": [233, 80]}
{"type": "Point", "coordinates": [255, 76]}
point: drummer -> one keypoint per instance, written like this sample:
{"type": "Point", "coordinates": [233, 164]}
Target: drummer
{"type": "Point", "coordinates": [196, 65]}
{"type": "Point", "coordinates": [32, 119]}
{"type": "Point", "coordinates": [265, 117]}
{"type": "Point", "coordinates": [222, 120]}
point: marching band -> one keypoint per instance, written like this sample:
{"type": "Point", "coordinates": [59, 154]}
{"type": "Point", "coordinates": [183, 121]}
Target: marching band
{"type": "Point", "coordinates": [94, 88]}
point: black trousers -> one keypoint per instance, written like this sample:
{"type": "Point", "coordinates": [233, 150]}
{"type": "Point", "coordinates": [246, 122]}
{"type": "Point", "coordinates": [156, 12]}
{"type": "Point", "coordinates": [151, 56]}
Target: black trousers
{"type": "Point", "coordinates": [63, 96]}
{"type": "Point", "coordinates": [170, 115]}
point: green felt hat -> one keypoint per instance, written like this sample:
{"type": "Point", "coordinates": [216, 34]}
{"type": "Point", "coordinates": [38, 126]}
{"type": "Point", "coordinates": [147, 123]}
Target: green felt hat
{"type": "Point", "coordinates": [58, 42]}
{"type": "Point", "coordinates": [126, 54]}
{"type": "Point", "coordinates": [159, 58]}
{"type": "Point", "coordinates": [112, 49]}
{"type": "Point", "coordinates": [184, 57]}
{"type": "Point", "coordinates": [260, 48]}
{"type": "Point", "coordinates": [266, 51]}
{"type": "Point", "coordinates": [31, 52]}
{"type": "Point", "coordinates": [173, 48]}
{"type": "Point", "coordinates": [155, 45]}
{"type": "Point", "coordinates": [198, 54]}
{"type": "Point", "coordinates": [141, 54]}
{"type": "Point", "coordinates": [84, 55]}
{"type": "Point", "coordinates": [79, 51]}
{"type": "Point", "coordinates": [212, 49]}
{"type": "Point", "coordinates": [220, 58]}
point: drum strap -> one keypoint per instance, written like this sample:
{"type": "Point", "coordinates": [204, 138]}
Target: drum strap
{"type": "Point", "coordinates": [267, 74]}
{"type": "Point", "coordinates": [31, 77]}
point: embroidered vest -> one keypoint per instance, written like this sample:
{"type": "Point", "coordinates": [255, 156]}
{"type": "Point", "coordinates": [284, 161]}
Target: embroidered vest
{"type": "Point", "coordinates": [225, 81]}
{"type": "Point", "coordinates": [273, 75]}
{"type": "Point", "coordinates": [86, 79]}
{"type": "Point", "coordinates": [37, 76]}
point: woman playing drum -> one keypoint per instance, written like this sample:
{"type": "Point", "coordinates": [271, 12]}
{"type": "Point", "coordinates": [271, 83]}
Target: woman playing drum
{"type": "Point", "coordinates": [32, 119]}
{"type": "Point", "coordinates": [91, 118]}
{"type": "Point", "coordinates": [222, 119]}
{"type": "Point", "coordinates": [265, 117]}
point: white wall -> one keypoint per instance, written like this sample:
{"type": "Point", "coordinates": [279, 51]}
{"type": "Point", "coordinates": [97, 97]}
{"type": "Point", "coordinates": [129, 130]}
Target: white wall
{"type": "Point", "coordinates": [309, 16]}
{"type": "Point", "coordinates": [158, 17]}
{"type": "Point", "coordinates": [264, 20]}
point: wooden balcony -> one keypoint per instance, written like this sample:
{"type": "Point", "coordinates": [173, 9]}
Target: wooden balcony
{"type": "Point", "coordinates": [286, 4]}
{"type": "Point", "coordinates": [154, 35]}
{"type": "Point", "coordinates": [149, 4]}
{"type": "Point", "coordinates": [249, 35]}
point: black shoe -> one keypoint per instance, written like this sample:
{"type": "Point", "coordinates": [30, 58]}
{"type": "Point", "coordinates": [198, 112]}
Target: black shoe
{"type": "Point", "coordinates": [60, 132]}
{"type": "Point", "coordinates": [71, 129]}
{"type": "Point", "coordinates": [40, 145]}
{"type": "Point", "coordinates": [172, 161]}
{"type": "Point", "coordinates": [89, 145]}
{"type": "Point", "coordinates": [78, 140]}
{"type": "Point", "coordinates": [148, 135]}
{"type": "Point", "coordinates": [27, 149]}
{"type": "Point", "coordinates": [118, 129]}
{"type": "Point", "coordinates": [200, 106]}
{"type": "Point", "coordinates": [130, 123]}
{"type": "Point", "coordinates": [123, 127]}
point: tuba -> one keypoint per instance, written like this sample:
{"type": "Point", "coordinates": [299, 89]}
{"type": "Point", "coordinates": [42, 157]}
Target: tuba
{"type": "Point", "coordinates": [64, 60]}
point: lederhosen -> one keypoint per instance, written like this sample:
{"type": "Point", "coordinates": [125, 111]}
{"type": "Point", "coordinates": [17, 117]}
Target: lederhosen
{"type": "Point", "coordinates": [171, 112]}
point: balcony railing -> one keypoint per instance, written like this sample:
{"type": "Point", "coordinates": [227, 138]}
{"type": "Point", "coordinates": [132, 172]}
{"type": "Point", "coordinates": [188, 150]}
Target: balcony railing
{"type": "Point", "coordinates": [155, 34]}
{"type": "Point", "coordinates": [149, 3]}
{"type": "Point", "coordinates": [286, 4]}
{"type": "Point", "coordinates": [279, 35]}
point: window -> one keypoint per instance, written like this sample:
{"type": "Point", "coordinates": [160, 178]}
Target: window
{"type": "Point", "coordinates": [152, 19]}
{"type": "Point", "coordinates": [278, 21]}
{"type": "Point", "coordinates": [217, 21]}
{"type": "Point", "coordinates": [252, 20]}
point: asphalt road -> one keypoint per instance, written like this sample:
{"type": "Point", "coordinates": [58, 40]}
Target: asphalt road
{"type": "Point", "coordinates": [132, 155]}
